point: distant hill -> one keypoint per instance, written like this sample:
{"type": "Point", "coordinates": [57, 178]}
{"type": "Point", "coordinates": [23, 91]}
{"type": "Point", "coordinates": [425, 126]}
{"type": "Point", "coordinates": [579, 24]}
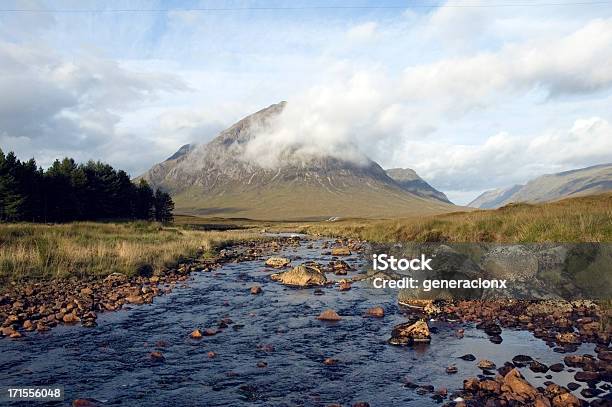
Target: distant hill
{"type": "Point", "coordinates": [410, 181]}
{"type": "Point", "coordinates": [551, 187]}
{"type": "Point", "coordinates": [214, 179]}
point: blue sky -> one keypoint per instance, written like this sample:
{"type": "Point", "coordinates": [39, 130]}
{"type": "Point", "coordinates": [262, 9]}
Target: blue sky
{"type": "Point", "coordinates": [471, 94]}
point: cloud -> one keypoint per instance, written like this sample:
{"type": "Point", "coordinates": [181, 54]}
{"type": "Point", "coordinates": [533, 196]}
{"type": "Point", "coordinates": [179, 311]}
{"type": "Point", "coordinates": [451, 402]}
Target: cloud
{"type": "Point", "coordinates": [504, 159]}
{"type": "Point", "coordinates": [69, 106]}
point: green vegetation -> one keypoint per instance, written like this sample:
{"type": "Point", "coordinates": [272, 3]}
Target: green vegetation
{"type": "Point", "coordinates": [68, 191]}
{"type": "Point", "coordinates": [582, 219]}
{"type": "Point", "coordinates": [86, 249]}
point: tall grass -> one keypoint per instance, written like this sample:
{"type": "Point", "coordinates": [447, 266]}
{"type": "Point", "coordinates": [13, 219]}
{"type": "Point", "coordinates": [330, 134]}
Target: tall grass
{"type": "Point", "coordinates": [34, 251]}
{"type": "Point", "coordinates": [584, 219]}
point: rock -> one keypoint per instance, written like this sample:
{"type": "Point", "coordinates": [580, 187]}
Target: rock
{"type": "Point", "coordinates": [452, 369]}
{"type": "Point", "coordinates": [471, 384]}
{"type": "Point", "coordinates": [573, 360]}
{"type": "Point", "coordinates": [28, 325]}
{"type": "Point", "coordinates": [211, 355]}
{"type": "Point", "coordinates": [572, 386]}
{"type": "Point", "coordinates": [157, 355]}
{"type": "Point", "coordinates": [330, 362]}
{"type": "Point", "coordinates": [86, 291]}
{"type": "Point", "coordinates": [210, 332]}
{"type": "Point", "coordinates": [490, 386]}
{"type": "Point", "coordinates": [376, 312]}
{"type": "Point", "coordinates": [196, 334]}
{"type": "Point", "coordinates": [515, 383]}
{"type": "Point", "coordinates": [278, 262]}
{"type": "Point", "coordinates": [566, 400]}
{"type": "Point", "coordinates": [538, 367]}
{"type": "Point", "coordinates": [135, 299]}
{"type": "Point", "coordinates": [557, 367]}
{"type": "Point", "coordinates": [567, 337]}
{"type": "Point", "coordinates": [301, 276]}
{"type": "Point", "coordinates": [256, 290]}
{"type": "Point", "coordinates": [586, 377]}
{"type": "Point", "coordinates": [469, 357]}
{"type": "Point", "coordinates": [329, 315]}
{"type": "Point", "coordinates": [341, 251]}
{"type": "Point", "coordinates": [340, 267]}
{"type": "Point", "coordinates": [522, 360]}
{"type": "Point", "coordinates": [71, 319]}
{"type": "Point", "coordinates": [542, 401]}
{"type": "Point", "coordinates": [262, 364]}
{"type": "Point", "coordinates": [486, 364]}
{"type": "Point", "coordinates": [407, 333]}
{"type": "Point", "coordinates": [344, 286]}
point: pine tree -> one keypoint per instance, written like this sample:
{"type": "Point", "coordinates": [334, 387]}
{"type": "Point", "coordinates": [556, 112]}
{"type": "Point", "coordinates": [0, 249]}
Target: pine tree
{"type": "Point", "coordinates": [144, 207]}
{"type": "Point", "coordinates": [11, 198]}
{"type": "Point", "coordinates": [163, 207]}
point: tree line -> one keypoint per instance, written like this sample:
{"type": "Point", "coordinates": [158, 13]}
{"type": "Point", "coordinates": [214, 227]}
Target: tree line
{"type": "Point", "coordinates": [68, 191]}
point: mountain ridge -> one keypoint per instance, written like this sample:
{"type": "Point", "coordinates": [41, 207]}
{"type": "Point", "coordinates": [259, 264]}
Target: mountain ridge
{"type": "Point", "coordinates": [550, 187]}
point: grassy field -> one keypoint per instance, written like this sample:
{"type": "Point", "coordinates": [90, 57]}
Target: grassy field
{"type": "Point", "coordinates": [35, 251]}
{"type": "Point", "coordinates": [583, 219]}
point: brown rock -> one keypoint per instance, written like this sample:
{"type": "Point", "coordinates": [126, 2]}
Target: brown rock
{"type": "Point", "coordinates": [344, 286]}
{"type": "Point", "coordinates": [211, 355]}
{"type": "Point", "coordinates": [407, 333]}
{"type": "Point", "coordinates": [490, 386]}
{"type": "Point", "coordinates": [277, 262]}
{"type": "Point", "coordinates": [452, 369]}
{"type": "Point", "coordinates": [86, 291]}
{"type": "Point", "coordinates": [157, 355]}
{"type": "Point", "coordinates": [135, 299]}
{"type": "Point", "coordinates": [542, 401]}
{"type": "Point", "coordinates": [28, 325]}
{"type": "Point", "coordinates": [341, 251]}
{"type": "Point", "coordinates": [210, 332]}
{"type": "Point", "coordinates": [256, 290]}
{"type": "Point", "coordinates": [566, 400]}
{"type": "Point", "coordinates": [83, 403]}
{"type": "Point", "coordinates": [196, 334]}
{"type": "Point", "coordinates": [301, 276]}
{"type": "Point", "coordinates": [568, 337]}
{"type": "Point", "coordinates": [262, 364]}
{"type": "Point", "coordinates": [330, 361]}
{"type": "Point", "coordinates": [376, 312]}
{"type": "Point", "coordinates": [329, 315]}
{"type": "Point", "coordinates": [71, 319]}
{"type": "Point", "coordinates": [515, 383]}
{"type": "Point", "coordinates": [486, 364]}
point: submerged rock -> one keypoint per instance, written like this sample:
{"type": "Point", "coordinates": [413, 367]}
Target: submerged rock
{"type": "Point", "coordinates": [301, 276]}
{"type": "Point", "coordinates": [409, 333]}
{"type": "Point", "coordinates": [376, 312]}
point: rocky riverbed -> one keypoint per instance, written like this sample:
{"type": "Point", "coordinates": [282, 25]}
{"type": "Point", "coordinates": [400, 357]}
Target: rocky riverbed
{"type": "Point", "coordinates": [303, 329]}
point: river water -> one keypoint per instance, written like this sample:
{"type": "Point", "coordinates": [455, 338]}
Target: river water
{"type": "Point", "coordinates": [111, 363]}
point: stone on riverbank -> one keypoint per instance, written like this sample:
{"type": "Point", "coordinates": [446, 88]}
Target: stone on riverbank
{"type": "Point", "coordinates": [329, 315]}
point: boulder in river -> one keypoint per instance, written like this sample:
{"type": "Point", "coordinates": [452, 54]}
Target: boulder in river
{"type": "Point", "coordinates": [277, 262]}
{"type": "Point", "coordinates": [301, 276]}
{"type": "Point", "coordinates": [329, 315]}
{"type": "Point", "coordinates": [255, 290]}
{"type": "Point", "coordinates": [410, 333]}
{"type": "Point", "coordinates": [376, 312]}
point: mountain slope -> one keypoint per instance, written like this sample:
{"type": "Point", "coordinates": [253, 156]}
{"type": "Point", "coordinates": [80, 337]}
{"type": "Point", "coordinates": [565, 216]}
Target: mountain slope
{"type": "Point", "coordinates": [551, 187]}
{"type": "Point", "coordinates": [410, 181]}
{"type": "Point", "coordinates": [216, 179]}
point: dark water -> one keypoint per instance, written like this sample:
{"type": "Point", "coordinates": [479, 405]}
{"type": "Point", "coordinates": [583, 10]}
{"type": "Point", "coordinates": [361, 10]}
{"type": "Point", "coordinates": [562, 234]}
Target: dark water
{"type": "Point", "coordinates": [111, 362]}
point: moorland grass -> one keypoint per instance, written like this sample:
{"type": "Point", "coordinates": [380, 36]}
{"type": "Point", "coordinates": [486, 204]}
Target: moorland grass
{"type": "Point", "coordinates": [581, 219]}
{"type": "Point", "coordinates": [40, 251]}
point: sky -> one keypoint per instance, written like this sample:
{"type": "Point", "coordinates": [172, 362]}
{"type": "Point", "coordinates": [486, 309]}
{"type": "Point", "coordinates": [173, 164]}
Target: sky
{"type": "Point", "coordinates": [471, 94]}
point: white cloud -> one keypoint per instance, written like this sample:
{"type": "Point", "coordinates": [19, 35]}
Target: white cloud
{"type": "Point", "coordinates": [362, 32]}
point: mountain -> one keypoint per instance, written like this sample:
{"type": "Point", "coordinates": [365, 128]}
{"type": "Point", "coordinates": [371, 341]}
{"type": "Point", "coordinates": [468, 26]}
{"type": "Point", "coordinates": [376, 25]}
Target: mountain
{"type": "Point", "coordinates": [495, 197]}
{"type": "Point", "coordinates": [216, 179]}
{"type": "Point", "coordinates": [551, 187]}
{"type": "Point", "coordinates": [410, 181]}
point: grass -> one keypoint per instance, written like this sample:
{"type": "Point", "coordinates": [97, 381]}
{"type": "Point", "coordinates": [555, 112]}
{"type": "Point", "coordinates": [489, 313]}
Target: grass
{"type": "Point", "coordinates": [582, 219]}
{"type": "Point", "coordinates": [41, 252]}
